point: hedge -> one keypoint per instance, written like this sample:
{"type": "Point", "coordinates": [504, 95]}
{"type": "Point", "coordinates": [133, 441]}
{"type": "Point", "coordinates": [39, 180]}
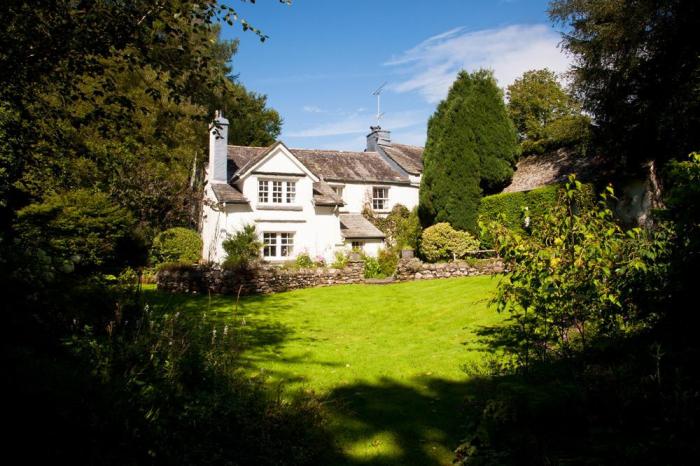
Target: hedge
{"type": "Point", "coordinates": [538, 201]}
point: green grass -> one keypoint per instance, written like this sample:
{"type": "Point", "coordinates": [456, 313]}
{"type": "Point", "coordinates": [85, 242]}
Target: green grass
{"type": "Point", "coordinates": [387, 357]}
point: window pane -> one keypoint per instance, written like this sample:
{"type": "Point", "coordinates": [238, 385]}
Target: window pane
{"type": "Point", "coordinates": [262, 191]}
{"type": "Point", "coordinates": [270, 244]}
{"type": "Point", "coordinates": [286, 244]}
{"type": "Point", "coordinates": [358, 244]}
{"type": "Point", "coordinates": [291, 191]}
{"type": "Point", "coordinates": [277, 192]}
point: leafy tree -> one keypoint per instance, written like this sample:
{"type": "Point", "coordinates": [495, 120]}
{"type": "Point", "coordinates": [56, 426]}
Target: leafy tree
{"type": "Point", "coordinates": [545, 115]}
{"type": "Point", "coordinates": [572, 281]}
{"type": "Point", "coordinates": [636, 70]}
{"type": "Point", "coordinates": [471, 147]}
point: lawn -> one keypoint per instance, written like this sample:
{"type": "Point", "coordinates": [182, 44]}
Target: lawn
{"type": "Point", "coordinates": [387, 357]}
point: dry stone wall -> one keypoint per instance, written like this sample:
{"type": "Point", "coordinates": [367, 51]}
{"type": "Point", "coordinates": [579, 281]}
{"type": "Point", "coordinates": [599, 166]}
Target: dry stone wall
{"type": "Point", "coordinates": [414, 269]}
{"type": "Point", "coordinates": [260, 279]}
{"type": "Point", "coordinates": [266, 279]}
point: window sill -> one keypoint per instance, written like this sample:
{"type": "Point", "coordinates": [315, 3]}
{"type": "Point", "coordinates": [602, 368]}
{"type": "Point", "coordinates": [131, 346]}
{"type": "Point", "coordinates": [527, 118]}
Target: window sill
{"type": "Point", "coordinates": [291, 207]}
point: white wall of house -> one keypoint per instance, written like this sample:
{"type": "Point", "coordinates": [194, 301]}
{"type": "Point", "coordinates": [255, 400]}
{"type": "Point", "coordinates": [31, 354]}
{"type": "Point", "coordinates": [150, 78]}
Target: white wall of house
{"type": "Point", "coordinates": [370, 246]}
{"type": "Point", "coordinates": [356, 195]}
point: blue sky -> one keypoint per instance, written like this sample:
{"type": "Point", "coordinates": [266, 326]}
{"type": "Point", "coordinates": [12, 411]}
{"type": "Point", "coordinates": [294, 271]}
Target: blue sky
{"type": "Point", "coordinates": [324, 58]}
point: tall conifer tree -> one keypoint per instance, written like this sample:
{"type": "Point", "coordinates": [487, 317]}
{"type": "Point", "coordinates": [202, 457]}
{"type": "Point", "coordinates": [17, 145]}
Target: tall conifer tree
{"type": "Point", "coordinates": [471, 148]}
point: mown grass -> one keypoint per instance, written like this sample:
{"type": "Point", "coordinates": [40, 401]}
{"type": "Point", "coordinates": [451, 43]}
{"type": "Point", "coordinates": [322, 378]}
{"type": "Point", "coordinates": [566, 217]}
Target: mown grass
{"type": "Point", "coordinates": [386, 357]}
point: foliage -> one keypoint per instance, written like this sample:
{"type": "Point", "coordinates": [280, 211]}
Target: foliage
{"type": "Point", "coordinates": [372, 267]}
{"type": "Point", "coordinates": [176, 245]}
{"type": "Point", "coordinates": [545, 116]}
{"type": "Point", "coordinates": [520, 212]}
{"type": "Point", "coordinates": [242, 248]}
{"type": "Point", "coordinates": [442, 242]}
{"type": "Point", "coordinates": [682, 199]}
{"type": "Point", "coordinates": [471, 147]}
{"type": "Point", "coordinates": [388, 259]}
{"type": "Point", "coordinates": [81, 230]}
{"type": "Point", "coordinates": [176, 397]}
{"type": "Point", "coordinates": [341, 260]}
{"type": "Point", "coordinates": [304, 261]}
{"type": "Point", "coordinates": [401, 226]}
{"type": "Point", "coordinates": [573, 280]}
{"type": "Point", "coordinates": [636, 68]}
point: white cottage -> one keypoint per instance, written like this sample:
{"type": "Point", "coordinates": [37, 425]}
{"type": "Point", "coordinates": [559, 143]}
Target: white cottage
{"type": "Point", "coordinates": [304, 200]}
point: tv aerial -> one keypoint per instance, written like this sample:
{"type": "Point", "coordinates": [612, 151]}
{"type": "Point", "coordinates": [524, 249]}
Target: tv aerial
{"type": "Point", "coordinates": [378, 95]}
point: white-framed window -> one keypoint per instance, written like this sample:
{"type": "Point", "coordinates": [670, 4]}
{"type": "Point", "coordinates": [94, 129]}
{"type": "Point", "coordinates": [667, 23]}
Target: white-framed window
{"type": "Point", "coordinates": [263, 191]}
{"type": "Point", "coordinates": [338, 190]}
{"type": "Point", "coordinates": [358, 245]}
{"type": "Point", "coordinates": [380, 198]}
{"type": "Point", "coordinates": [278, 245]}
{"type": "Point", "coordinates": [277, 191]}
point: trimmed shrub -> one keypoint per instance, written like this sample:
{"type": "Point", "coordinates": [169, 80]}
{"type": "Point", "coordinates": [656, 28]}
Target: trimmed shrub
{"type": "Point", "coordinates": [442, 242]}
{"type": "Point", "coordinates": [242, 248]}
{"type": "Point", "coordinates": [176, 245]}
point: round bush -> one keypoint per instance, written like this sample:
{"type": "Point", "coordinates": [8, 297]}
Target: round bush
{"type": "Point", "coordinates": [176, 245]}
{"type": "Point", "coordinates": [442, 242]}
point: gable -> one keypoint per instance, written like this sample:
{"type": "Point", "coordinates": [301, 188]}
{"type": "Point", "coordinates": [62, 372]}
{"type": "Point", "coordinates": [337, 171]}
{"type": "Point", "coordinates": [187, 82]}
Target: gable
{"type": "Point", "coordinates": [277, 160]}
{"type": "Point", "coordinates": [279, 163]}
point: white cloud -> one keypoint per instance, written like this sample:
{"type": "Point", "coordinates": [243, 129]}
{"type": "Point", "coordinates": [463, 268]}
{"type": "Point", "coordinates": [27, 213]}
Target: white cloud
{"type": "Point", "coordinates": [312, 109]}
{"type": "Point", "coordinates": [358, 122]}
{"type": "Point", "coordinates": [508, 51]}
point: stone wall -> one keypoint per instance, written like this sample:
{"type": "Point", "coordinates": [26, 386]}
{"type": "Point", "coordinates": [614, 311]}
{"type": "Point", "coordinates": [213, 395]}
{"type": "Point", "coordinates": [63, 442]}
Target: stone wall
{"type": "Point", "coordinates": [261, 279]}
{"type": "Point", "coordinates": [414, 269]}
{"type": "Point", "coordinates": [265, 279]}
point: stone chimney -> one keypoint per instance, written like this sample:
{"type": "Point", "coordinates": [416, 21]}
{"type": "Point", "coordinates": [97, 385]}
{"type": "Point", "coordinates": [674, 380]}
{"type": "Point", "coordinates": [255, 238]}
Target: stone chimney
{"type": "Point", "coordinates": [377, 136]}
{"type": "Point", "coordinates": [218, 142]}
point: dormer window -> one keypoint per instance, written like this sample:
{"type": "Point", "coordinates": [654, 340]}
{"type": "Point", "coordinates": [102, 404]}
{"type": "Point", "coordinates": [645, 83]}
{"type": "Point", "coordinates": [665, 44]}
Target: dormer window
{"type": "Point", "coordinates": [276, 191]}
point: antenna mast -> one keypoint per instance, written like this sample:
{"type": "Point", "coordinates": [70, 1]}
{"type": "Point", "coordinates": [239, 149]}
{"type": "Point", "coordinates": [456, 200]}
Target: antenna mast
{"type": "Point", "coordinates": [378, 95]}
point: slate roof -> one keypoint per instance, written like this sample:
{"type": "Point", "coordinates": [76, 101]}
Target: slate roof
{"type": "Point", "coordinates": [535, 171]}
{"type": "Point", "coordinates": [331, 165]}
{"type": "Point", "coordinates": [325, 196]}
{"type": "Point", "coordinates": [410, 158]}
{"type": "Point", "coordinates": [356, 226]}
{"type": "Point", "coordinates": [228, 194]}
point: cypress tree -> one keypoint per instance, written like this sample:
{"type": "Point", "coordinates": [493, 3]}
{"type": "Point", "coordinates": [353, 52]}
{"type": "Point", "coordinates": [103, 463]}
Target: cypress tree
{"type": "Point", "coordinates": [471, 147]}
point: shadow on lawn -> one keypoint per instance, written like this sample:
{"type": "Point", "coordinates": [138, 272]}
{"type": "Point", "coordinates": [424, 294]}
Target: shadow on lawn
{"type": "Point", "coordinates": [426, 418]}
{"type": "Point", "coordinates": [246, 317]}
